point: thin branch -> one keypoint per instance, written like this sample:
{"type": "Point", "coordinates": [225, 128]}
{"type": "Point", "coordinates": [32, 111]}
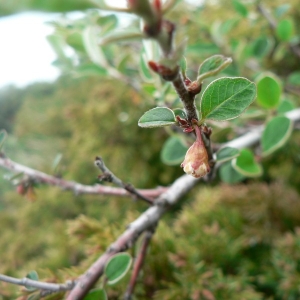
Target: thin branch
{"type": "Point", "coordinates": [138, 265]}
{"type": "Point", "coordinates": [109, 176]}
{"type": "Point", "coordinates": [153, 214]}
{"type": "Point", "coordinates": [272, 22]}
{"type": "Point", "coordinates": [77, 188]}
{"type": "Point", "coordinates": [186, 97]}
{"type": "Point", "coordinates": [53, 287]}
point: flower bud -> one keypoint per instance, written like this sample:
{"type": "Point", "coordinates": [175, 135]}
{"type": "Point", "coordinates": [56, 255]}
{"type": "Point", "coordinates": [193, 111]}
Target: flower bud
{"type": "Point", "coordinates": [196, 159]}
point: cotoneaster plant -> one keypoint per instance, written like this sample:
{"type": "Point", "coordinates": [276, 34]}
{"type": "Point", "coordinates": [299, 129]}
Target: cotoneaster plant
{"type": "Point", "coordinates": [223, 99]}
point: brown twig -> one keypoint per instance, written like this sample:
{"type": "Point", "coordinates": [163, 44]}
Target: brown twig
{"type": "Point", "coordinates": [153, 214]}
{"type": "Point", "coordinates": [187, 98]}
{"type": "Point", "coordinates": [77, 188]}
{"type": "Point", "coordinates": [111, 177]}
{"type": "Point", "coordinates": [138, 265]}
{"type": "Point", "coordinates": [145, 222]}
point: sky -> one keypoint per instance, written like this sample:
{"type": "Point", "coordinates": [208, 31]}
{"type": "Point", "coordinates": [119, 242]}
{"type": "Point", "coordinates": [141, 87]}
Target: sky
{"type": "Point", "coordinates": [25, 54]}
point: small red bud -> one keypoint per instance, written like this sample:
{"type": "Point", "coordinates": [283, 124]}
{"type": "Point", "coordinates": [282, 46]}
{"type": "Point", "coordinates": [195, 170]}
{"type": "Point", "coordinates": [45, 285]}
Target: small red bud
{"type": "Point", "coordinates": [21, 190]}
{"type": "Point", "coordinates": [194, 87]}
{"type": "Point", "coordinates": [153, 66]}
{"type": "Point", "coordinates": [157, 5]}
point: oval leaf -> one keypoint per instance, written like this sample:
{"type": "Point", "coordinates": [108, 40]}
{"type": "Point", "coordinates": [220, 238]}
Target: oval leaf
{"type": "Point", "coordinates": [173, 151]}
{"type": "Point", "coordinates": [246, 165]}
{"type": "Point", "coordinates": [90, 70]}
{"type": "Point", "coordinates": [33, 275]}
{"type": "Point", "coordinates": [294, 78]}
{"type": "Point", "coordinates": [97, 294]}
{"type": "Point", "coordinates": [285, 30]}
{"type": "Point", "coordinates": [90, 42]}
{"type": "Point", "coordinates": [117, 267]}
{"type": "Point", "coordinates": [276, 133]}
{"type": "Point", "coordinates": [285, 106]}
{"type": "Point", "coordinates": [227, 153]}
{"type": "Point", "coordinates": [3, 136]}
{"type": "Point", "coordinates": [144, 69]}
{"type": "Point", "coordinates": [268, 91]}
{"type": "Point", "coordinates": [229, 175]}
{"type": "Point", "coordinates": [240, 8]}
{"type": "Point", "coordinates": [212, 66]}
{"type": "Point", "coordinates": [226, 98]}
{"type": "Point", "coordinates": [180, 112]}
{"type": "Point", "coordinates": [157, 117]}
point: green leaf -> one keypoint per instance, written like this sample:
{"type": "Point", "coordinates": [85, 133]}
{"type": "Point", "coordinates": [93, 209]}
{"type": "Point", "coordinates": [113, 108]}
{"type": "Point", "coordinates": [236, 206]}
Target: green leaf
{"type": "Point", "coordinates": [261, 46]}
{"type": "Point", "coordinates": [281, 10]}
{"type": "Point", "coordinates": [180, 112]}
{"type": "Point", "coordinates": [92, 48]}
{"type": "Point", "coordinates": [90, 70]}
{"type": "Point", "coordinates": [200, 48]}
{"type": "Point", "coordinates": [173, 151]}
{"type": "Point", "coordinates": [285, 30]}
{"type": "Point", "coordinates": [183, 66]}
{"type": "Point", "coordinates": [117, 267]}
{"type": "Point", "coordinates": [144, 69]}
{"type": "Point", "coordinates": [33, 275]}
{"type": "Point", "coordinates": [107, 23]}
{"type": "Point", "coordinates": [275, 135]}
{"type": "Point", "coordinates": [226, 98]}
{"type": "Point", "coordinates": [75, 41]}
{"type": "Point", "coordinates": [294, 78]}
{"type": "Point", "coordinates": [157, 117]}
{"type": "Point", "coordinates": [58, 45]}
{"type": "Point", "coordinates": [240, 8]}
{"type": "Point", "coordinates": [285, 106]}
{"type": "Point", "coordinates": [268, 91]}
{"type": "Point", "coordinates": [3, 136]}
{"type": "Point", "coordinates": [229, 175]}
{"type": "Point", "coordinates": [122, 64]}
{"type": "Point", "coordinates": [96, 294]}
{"type": "Point", "coordinates": [246, 165]}
{"type": "Point", "coordinates": [227, 153]}
{"type": "Point", "coordinates": [212, 66]}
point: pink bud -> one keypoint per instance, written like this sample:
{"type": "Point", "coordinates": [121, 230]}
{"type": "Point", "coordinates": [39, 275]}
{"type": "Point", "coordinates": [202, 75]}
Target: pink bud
{"type": "Point", "coordinates": [196, 159]}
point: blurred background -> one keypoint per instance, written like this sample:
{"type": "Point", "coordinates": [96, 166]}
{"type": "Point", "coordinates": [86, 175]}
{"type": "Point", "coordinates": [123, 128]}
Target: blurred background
{"type": "Point", "coordinates": [63, 101]}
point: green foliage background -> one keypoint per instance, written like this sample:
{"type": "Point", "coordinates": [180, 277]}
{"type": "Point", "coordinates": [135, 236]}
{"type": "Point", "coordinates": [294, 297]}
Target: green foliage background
{"type": "Point", "coordinates": [221, 242]}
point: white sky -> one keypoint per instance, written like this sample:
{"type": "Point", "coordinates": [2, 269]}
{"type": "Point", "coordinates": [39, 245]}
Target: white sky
{"type": "Point", "coordinates": [25, 54]}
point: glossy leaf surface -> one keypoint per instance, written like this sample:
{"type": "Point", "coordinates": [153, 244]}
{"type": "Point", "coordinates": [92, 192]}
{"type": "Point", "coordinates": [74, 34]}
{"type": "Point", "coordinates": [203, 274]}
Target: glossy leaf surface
{"type": "Point", "coordinates": [276, 133]}
{"type": "Point", "coordinates": [246, 165]}
{"type": "Point", "coordinates": [229, 175]}
{"type": "Point", "coordinates": [173, 151]}
{"type": "Point", "coordinates": [212, 66]}
{"type": "Point", "coordinates": [117, 267]}
{"type": "Point", "coordinates": [226, 98]}
{"type": "Point", "coordinates": [157, 117]}
{"type": "Point", "coordinates": [268, 92]}
{"type": "Point", "coordinates": [97, 294]}
{"type": "Point", "coordinates": [227, 153]}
